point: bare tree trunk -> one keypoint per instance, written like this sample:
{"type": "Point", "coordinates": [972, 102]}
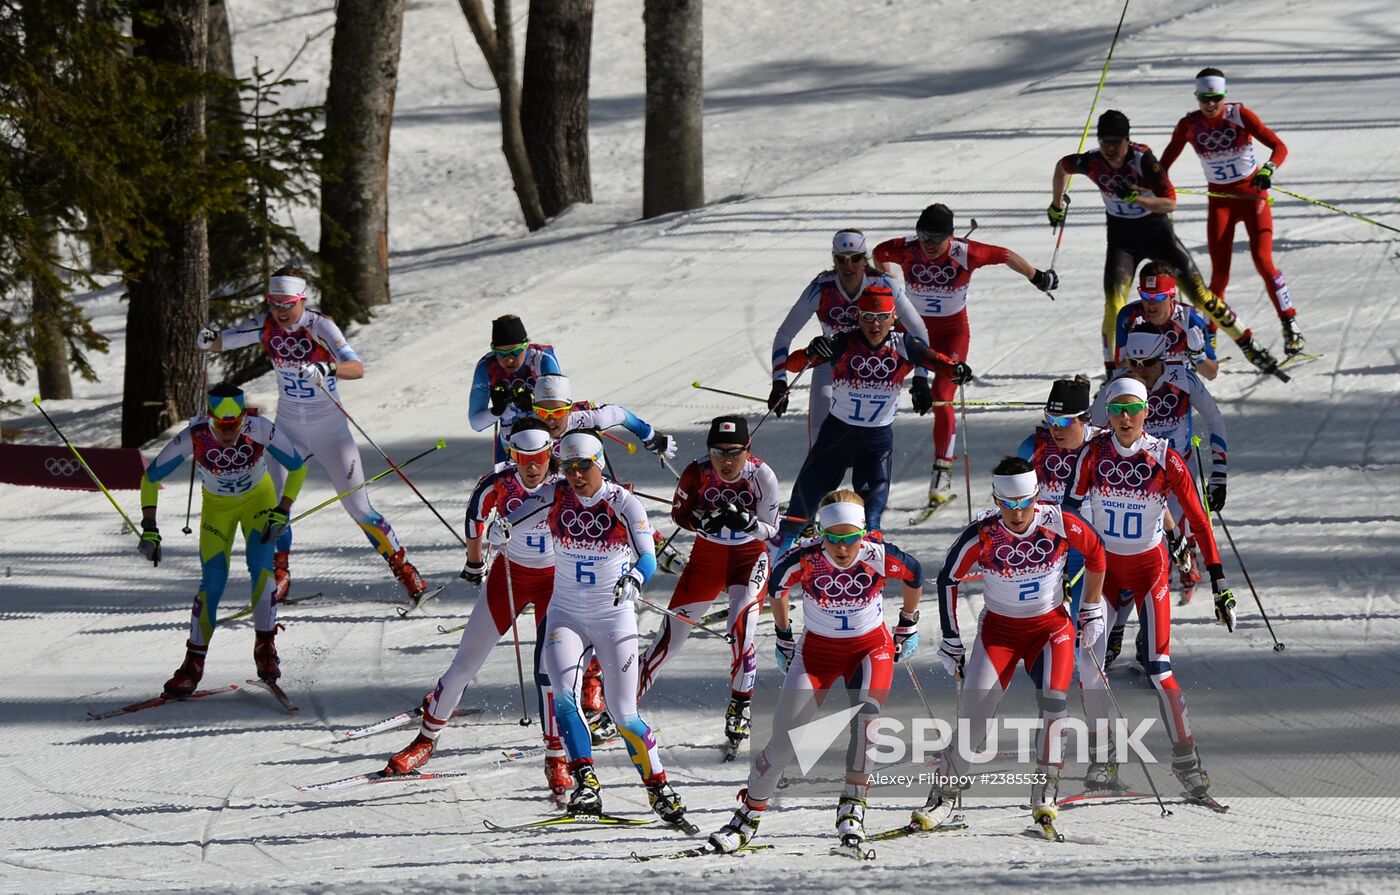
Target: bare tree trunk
{"type": "Point", "coordinates": [355, 190]}
{"type": "Point", "coordinates": [220, 41]}
{"type": "Point", "coordinates": [170, 300]}
{"type": "Point", "coordinates": [673, 162]}
{"type": "Point", "coordinates": [501, 56]}
{"type": "Point", "coordinates": [50, 348]}
{"type": "Point", "coordinates": [554, 101]}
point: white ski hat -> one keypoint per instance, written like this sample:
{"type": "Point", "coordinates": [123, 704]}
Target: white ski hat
{"type": "Point", "coordinates": [1145, 345]}
{"type": "Point", "coordinates": [530, 441]}
{"type": "Point", "coordinates": [846, 242]}
{"type": "Point", "coordinates": [554, 387]}
{"type": "Point", "coordinates": [1126, 387]}
{"type": "Point", "coordinates": [581, 446]}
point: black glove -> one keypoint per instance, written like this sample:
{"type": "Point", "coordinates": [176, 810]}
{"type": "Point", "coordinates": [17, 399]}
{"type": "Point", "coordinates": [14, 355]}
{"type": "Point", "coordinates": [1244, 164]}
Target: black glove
{"type": "Point", "coordinates": [277, 521]}
{"type": "Point", "coordinates": [472, 572]}
{"type": "Point", "coordinates": [1264, 177]}
{"type": "Point", "coordinates": [523, 399]}
{"type": "Point", "coordinates": [660, 445]}
{"type": "Point", "coordinates": [961, 373]}
{"type": "Point", "coordinates": [1045, 280]}
{"type": "Point", "coordinates": [711, 522]}
{"type": "Point", "coordinates": [500, 398]}
{"type": "Point", "coordinates": [786, 648]}
{"type": "Point", "coordinates": [1217, 496]}
{"type": "Point", "coordinates": [778, 397]}
{"type": "Point", "coordinates": [1224, 598]}
{"type": "Point", "coordinates": [921, 395]}
{"type": "Point", "coordinates": [736, 518]}
{"type": "Point", "coordinates": [1180, 550]}
{"type": "Point", "coordinates": [149, 545]}
{"type": "Point", "coordinates": [820, 349]}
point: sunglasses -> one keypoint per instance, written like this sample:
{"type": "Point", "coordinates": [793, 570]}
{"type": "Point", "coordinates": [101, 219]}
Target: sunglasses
{"type": "Point", "coordinates": [869, 316]}
{"type": "Point", "coordinates": [552, 413]}
{"type": "Point", "coordinates": [727, 452]}
{"type": "Point", "coordinates": [1119, 408]}
{"type": "Point", "coordinates": [1141, 362]}
{"type": "Point", "coordinates": [227, 424]}
{"type": "Point", "coordinates": [1210, 97]}
{"type": "Point", "coordinates": [281, 301]}
{"type": "Point", "coordinates": [850, 258]}
{"type": "Point", "coordinates": [521, 457]}
{"type": "Point", "coordinates": [852, 538]}
{"type": "Point", "coordinates": [1111, 141]}
{"type": "Point", "coordinates": [1018, 503]}
{"type": "Point", "coordinates": [510, 352]}
{"type": "Point", "coordinates": [1156, 296]}
{"type": "Point", "coordinates": [578, 464]}
{"type": "Point", "coordinates": [1061, 422]}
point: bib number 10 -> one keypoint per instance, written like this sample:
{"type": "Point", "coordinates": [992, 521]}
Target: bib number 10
{"type": "Point", "coordinates": [1132, 524]}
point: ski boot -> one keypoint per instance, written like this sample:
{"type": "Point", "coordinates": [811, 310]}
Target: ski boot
{"type": "Point", "coordinates": [407, 574]}
{"type": "Point", "coordinates": [1115, 645]}
{"type": "Point", "coordinates": [1260, 357]}
{"type": "Point", "coordinates": [938, 810]}
{"type": "Point", "coordinates": [413, 756]}
{"type": "Point", "coordinates": [587, 797]}
{"type": "Point", "coordinates": [265, 656]}
{"type": "Point", "coordinates": [281, 575]}
{"type": "Point", "coordinates": [736, 834]}
{"type": "Point", "coordinates": [665, 802]}
{"type": "Point", "coordinates": [601, 728]}
{"type": "Point", "coordinates": [1102, 776]}
{"type": "Point", "coordinates": [940, 485]}
{"type": "Point", "coordinates": [1044, 795]}
{"type": "Point", "coordinates": [850, 819]}
{"type": "Point", "coordinates": [1293, 341]}
{"type": "Point", "coordinates": [736, 720]}
{"type": "Point", "coordinates": [556, 767]}
{"type": "Point", "coordinates": [187, 676]}
{"type": "Point", "coordinates": [1186, 766]}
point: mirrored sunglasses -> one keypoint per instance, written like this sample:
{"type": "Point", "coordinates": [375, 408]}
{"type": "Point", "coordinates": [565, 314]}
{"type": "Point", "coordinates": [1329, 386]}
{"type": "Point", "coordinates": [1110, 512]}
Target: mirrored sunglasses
{"type": "Point", "coordinates": [552, 413]}
{"type": "Point", "coordinates": [578, 464]}
{"type": "Point", "coordinates": [869, 316]}
{"type": "Point", "coordinates": [852, 538]}
{"type": "Point", "coordinates": [1119, 408]}
{"type": "Point", "coordinates": [1019, 503]}
{"type": "Point", "coordinates": [1155, 297]}
{"type": "Point", "coordinates": [541, 456]}
{"type": "Point", "coordinates": [727, 452]}
{"type": "Point", "coordinates": [1061, 422]}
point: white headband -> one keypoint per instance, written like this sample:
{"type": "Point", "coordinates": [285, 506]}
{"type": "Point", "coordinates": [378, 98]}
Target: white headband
{"type": "Point", "coordinates": [286, 286]}
{"type": "Point", "coordinates": [1126, 385]}
{"type": "Point", "coordinates": [1210, 84]}
{"type": "Point", "coordinates": [841, 514]}
{"type": "Point", "coordinates": [1022, 484]}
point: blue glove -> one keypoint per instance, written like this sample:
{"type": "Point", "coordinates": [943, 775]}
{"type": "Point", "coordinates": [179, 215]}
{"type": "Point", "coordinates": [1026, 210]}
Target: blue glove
{"type": "Point", "coordinates": [906, 636]}
{"type": "Point", "coordinates": [786, 648]}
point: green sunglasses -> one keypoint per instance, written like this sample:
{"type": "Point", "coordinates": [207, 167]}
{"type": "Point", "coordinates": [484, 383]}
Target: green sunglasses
{"type": "Point", "coordinates": [511, 352]}
{"type": "Point", "coordinates": [852, 538]}
{"type": "Point", "coordinates": [1118, 408]}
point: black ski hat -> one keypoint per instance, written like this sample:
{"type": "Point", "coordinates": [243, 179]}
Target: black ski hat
{"type": "Point", "coordinates": [1113, 124]}
{"type": "Point", "coordinates": [936, 222]}
{"type": "Point", "coordinates": [1068, 397]}
{"type": "Point", "coordinates": [508, 330]}
{"type": "Point", "coordinates": [728, 430]}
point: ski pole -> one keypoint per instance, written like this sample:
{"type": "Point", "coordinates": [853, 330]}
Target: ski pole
{"type": "Point", "coordinates": [1214, 195]}
{"type": "Point", "coordinates": [515, 635]}
{"type": "Point", "coordinates": [1205, 499]}
{"type": "Point", "coordinates": [631, 448]}
{"type": "Point", "coordinates": [967, 468]}
{"type": "Point", "coordinates": [720, 391]}
{"type": "Point", "coordinates": [706, 629]}
{"type": "Point", "coordinates": [1351, 214]}
{"type": "Point", "coordinates": [370, 481]}
{"type": "Point", "coordinates": [189, 498]}
{"type": "Point", "coordinates": [406, 479]}
{"type": "Point", "coordinates": [88, 469]}
{"type": "Point", "coordinates": [1088, 120]}
{"type": "Point", "coordinates": [1094, 658]}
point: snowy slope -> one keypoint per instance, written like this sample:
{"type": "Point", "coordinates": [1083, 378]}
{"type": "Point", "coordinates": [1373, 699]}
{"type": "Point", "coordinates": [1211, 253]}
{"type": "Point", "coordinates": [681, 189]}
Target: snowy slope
{"type": "Point", "coordinates": [854, 113]}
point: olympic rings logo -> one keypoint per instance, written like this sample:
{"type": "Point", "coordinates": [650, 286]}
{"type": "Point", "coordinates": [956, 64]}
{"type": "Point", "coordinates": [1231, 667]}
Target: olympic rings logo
{"type": "Point", "coordinates": [1162, 405]}
{"type": "Point", "coordinates": [292, 347]}
{"type": "Point", "coordinates": [222, 458]}
{"type": "Point", "coordinates": [62, 466]}
{"type": "Point", "coordinates": [1057, 466]}
{"type": "Point", "coordinates": [720, 496]}
{"type": "Point", "coordinates": [934, 274]}
{"type": "Point", "coordinates": [1112, 183]}
{"type": "Point", "coordinates": [1025, 553]}
{"type": "Point", "coordinates": [1123, 473]}
{"type": "Point", "coordinates": [842, 317]}
{"type": "Point", "coordinates": [512, 504]}
{"type": "Point", "coordinates": [1215, 140]}
{"type": "Point", "coordinates": [844, 584]}
{"type": "Point", "coordinates": [868, 366]}
{"type": "Point", "coordinates": [583, 524]}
